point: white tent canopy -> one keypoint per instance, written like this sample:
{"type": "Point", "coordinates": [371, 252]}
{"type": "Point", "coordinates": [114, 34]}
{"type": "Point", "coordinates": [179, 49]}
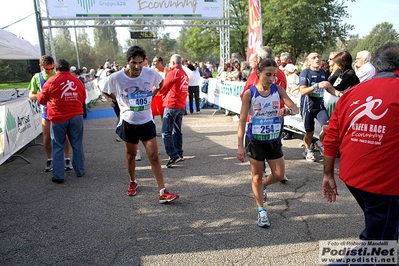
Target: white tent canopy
{"type": "Point", "coordinates": [12, 47]}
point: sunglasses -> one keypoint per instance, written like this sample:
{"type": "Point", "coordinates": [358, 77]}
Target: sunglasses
{"type": "Point", "coordinates": [49, 68]}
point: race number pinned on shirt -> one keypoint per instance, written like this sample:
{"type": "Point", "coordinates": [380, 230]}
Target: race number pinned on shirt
{"type": "Point", "coordinates": [337, 82]}
{"type": "Point", "coordinates": [266, 128]}
{"type": "Point", "coordinates": [318, 93]}
{"type": "Point", "coordinates": [140, 100]}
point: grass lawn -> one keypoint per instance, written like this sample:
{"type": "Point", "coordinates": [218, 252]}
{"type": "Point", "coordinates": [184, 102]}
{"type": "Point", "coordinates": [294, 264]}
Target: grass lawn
{"type": "Point", "coordinates": [13, 85]}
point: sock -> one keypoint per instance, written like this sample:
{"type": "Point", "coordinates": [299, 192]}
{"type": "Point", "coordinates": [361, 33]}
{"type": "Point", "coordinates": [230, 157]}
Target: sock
{"type": "Point", "coordinates": [261, 209]}
{"type": "Point", "coordinates": [133, 181]}
{"type": "Point", "coordinates": [49, 159]}
{"type": "Point", "coordinates": [162, 191]}
{"type": "Point", "coordinates": [67, 158]}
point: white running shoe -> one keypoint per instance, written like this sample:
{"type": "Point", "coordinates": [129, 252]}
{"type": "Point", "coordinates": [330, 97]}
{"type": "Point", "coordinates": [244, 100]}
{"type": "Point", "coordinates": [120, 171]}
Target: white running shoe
{"type": "Point", "coordinates": [263, 221]}
{"type": "Point", "coordinates": [138, 156]}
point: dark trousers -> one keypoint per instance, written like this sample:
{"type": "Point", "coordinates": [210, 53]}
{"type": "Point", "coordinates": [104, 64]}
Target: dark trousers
{"type": "Point", "coordinates": [381, 215]}
{"type": "Point", "coordinates": [193, 92]}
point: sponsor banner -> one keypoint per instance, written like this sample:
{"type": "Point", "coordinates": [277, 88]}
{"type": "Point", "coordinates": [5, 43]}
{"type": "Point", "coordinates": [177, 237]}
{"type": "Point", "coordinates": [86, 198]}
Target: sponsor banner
{"type": "Point", "coordinates": [20, 123]}
{"type": "Point", "coordinates": [254, 27]}
{"type": "Point", "coordinates": [227, 96]}
{"type": "Point", "coordinates": [21, 119]}
{"type": "Point", "coordinates": [134, 8]}
{"type": "Point", "coordinates": [362, 252]}
{"type": "Point", "coordinates": [92, 91]}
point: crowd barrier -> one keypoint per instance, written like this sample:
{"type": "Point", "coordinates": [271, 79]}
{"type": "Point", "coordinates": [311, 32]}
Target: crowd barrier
{"type": "Point", "coordinates": [227, 96]}
{"type": "Point", "coordinates": [21, 119]}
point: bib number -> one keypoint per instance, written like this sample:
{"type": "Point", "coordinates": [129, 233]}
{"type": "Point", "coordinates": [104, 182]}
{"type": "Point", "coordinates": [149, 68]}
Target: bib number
{"type": "Point", "coordinates": [266, 128]}
{"type": "Point", "coordinates": [140, 101]}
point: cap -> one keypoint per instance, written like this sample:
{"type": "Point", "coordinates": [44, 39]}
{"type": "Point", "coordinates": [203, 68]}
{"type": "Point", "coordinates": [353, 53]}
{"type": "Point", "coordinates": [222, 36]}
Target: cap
{"type": "Point", "coordinates": [85, 68]}
{"type": "Point", "coordinates": [73, 68]}
{"type": "Point", "coordinates": [290, 68]}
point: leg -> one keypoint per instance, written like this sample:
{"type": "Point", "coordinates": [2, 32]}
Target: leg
{"type": "Point", "coordinates": [75, 135]}
{"type": "Point", "coordinates": [190, 98]}
{"type": "Point", "coordinates": [381, 215]}
{"type": "Point", "coordinates": [167, 129]}
{"type": "Point", "coordinates": [257, 173]}
{"type": "Point", "coordinates": [177, 134]}
{"type": "Point", "coordinates": [277, 168]}
{"type": "Point", "coordinates": [151, 148]}
{"type": "Point", "coordinates": [47, 138]}
{"type": "Point", "coordinates": [307, 139]}
{"type": "Point", "coordinates": [131, 152]}
{"type": "Point", "coordinates": [67, 149]}
{"type": "Point", "coordinates": [58, 136]}
{"type": "Point", "coordinates": [197, 99]}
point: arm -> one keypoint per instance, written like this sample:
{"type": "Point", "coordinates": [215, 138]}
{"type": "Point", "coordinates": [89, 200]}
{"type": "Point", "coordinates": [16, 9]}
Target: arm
{"type": "Point", "coordinates": [292, 108]}
{"type": "Point", "coordinates": [241, 125]}
{"type": "Point", "coordinates": [329, 187]}
{"type": "Point", "coordinates": [155, 90]}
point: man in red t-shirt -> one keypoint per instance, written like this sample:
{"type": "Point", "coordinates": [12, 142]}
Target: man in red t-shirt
{"type": "Point", "coordinates": [65, 95]}
{"type": "Point", "coordinates": [174, 91]}
{"type": "Point", "coordinates": [364, 127]}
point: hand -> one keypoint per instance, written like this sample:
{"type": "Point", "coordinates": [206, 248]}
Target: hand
{"type": "Point", "coordinates": [241, 154]}
{"type": "Point", "coordinates": [329, 188]}
{"type": "Point", "coordinates": [283, 112]}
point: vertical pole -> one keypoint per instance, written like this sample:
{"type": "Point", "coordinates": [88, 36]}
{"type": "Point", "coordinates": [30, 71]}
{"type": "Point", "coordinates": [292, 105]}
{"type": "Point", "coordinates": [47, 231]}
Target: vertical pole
{"type": "Point", "coordinates": [77, 45]}
{"type": "Point", "coordinates": [39, 29]}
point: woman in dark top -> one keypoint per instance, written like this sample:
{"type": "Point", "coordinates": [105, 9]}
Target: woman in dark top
{"type": "Point", "coordinates": [345, 77]}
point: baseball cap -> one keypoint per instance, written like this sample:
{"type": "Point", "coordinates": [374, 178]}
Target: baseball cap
{"type": "Point", "coordinates": [73, 68]}
{"type": "Point", "coordinates": [290, 68]}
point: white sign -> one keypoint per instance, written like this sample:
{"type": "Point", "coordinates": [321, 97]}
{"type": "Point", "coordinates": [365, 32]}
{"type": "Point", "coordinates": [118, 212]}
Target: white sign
{"type": "Point", "coordinates": [20, 123]}
{"type": "Point", "coordinates": [134, 8]}
{"type": "Point", "coordinates": [365, 252]}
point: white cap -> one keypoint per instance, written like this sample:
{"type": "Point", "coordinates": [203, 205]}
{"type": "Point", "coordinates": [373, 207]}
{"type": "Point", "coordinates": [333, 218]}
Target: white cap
{"type": "Point", "coordinates": [73, 68]}
{"type": "Point", "coordinates": [85, 68]}
{"type": "Point", "coordinates": [290, 68]}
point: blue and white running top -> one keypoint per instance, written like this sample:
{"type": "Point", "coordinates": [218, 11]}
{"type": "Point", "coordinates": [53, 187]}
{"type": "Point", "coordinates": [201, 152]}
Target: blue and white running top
{"type": "Point", "coordinates": [265, 125]}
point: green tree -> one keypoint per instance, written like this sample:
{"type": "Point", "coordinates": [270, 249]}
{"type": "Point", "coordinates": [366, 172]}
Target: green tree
{"type": "Point", "coordinates": [14, 70]}
{"type": "Point", "coordinates": [106, 45]}
{"type": "Point", "coordinates": [379, 35]}
{"type": "Point", "coordinates": [64, 46]}
{"type": "Point", "coordinates": [301, 26]}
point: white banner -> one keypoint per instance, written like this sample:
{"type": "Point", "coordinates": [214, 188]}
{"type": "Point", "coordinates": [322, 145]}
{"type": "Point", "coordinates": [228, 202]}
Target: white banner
{"type": "Point", "coordinates": [92, 91]}
{"type": "Point", "coordinates": [227, 96]}
{"type": "Point", "coordinates": [20, 123]}
{"type": "Point", "coordinates": [134, 8]}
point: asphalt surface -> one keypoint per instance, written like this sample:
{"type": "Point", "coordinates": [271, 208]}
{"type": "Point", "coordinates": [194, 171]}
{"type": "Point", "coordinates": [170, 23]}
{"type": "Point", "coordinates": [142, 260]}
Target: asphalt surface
{"type": "Point", "coordinates": [91, 221]}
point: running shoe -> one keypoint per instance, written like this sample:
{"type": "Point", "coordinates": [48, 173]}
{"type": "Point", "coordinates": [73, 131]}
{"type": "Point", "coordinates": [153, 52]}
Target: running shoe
{"type": "Point", "coordinates": [167, 197]}
{"type": "Point", "coordinates": [68, 165]}
{"type": "Point", "coordinates": [138, 156]}
{"type": "Point", "coordinates": [263, 221]}
{"type": "Point", "coordinates": [320, 147]}
{"type": "Point", "coordinates": [264, 194]}
{"type": "Point", "coordinates": [49, 166]}
{"type": "Point", "coordinates": [132, 189]}
{"type": "Point", "coordinates": [284, 180]}
{"type": "Point", "coordinates": [173, 161]}
{"type": "Point", "coordinates": [309, 156]}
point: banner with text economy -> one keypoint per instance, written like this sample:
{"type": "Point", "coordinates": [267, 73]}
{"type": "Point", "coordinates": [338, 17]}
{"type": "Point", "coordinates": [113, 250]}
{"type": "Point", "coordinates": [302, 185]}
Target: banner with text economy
{"type": "Point", "coordinates": [58, 9]}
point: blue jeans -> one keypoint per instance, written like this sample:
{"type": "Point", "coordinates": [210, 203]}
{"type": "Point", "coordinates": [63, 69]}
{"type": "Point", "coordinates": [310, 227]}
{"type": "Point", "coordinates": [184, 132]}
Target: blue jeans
{"type": "Point", "coordinates": [74, 129]}
{"type": "Point", "coordinates": [171, 131]}
{"type": "Point", "coordinates": [381, 215]}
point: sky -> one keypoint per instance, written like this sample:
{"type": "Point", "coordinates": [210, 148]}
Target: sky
{"type": "Point", "coordinates": [365, 14]}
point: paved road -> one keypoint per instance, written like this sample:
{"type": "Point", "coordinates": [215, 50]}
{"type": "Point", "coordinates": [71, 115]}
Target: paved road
{"type": "Point", "coordinates": [91, 221]}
